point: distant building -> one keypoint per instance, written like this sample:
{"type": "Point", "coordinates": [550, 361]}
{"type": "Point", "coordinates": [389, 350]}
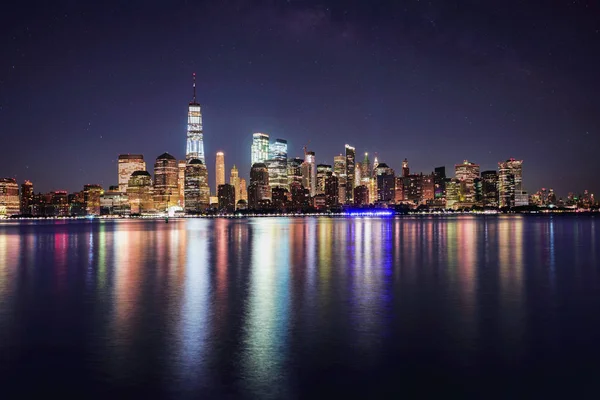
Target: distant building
{"type": "Point", "coordinates": [332, 191]}
{"type": "Point", "coordinates": [127, 165]}
{"type": "Point", "coordinates": [320, 202]}
{"type": "Point", "coordinates": [467, 172]}
{"type": "Point", "coordinates": [195, 135]}
{"type": "Point", "coordinates": [361, 195]}
{"type": "Point", "coordinates": [350, 173]}
{"type": "Point", "coordinates": [365, 168]}
{"type": "Point", "coordinates": [140, 192]}
{"type": "Point", "coordinates": [166, 171]}
{"type": "Point", "coordinates": [220, 169]}
{"type": "Point", "coordinates": [294, 171]}
{"type": "Point", "coordinates": [197, 191]}
{"type": "Point", "coordinates": [114, 202]}
{"type": "Point", "coordinates": [259, 191]}
{"type": "Point", "coordinates": [428, 185]}
{"type": "Point", "coordinates": [279, 198]}
{"type": "Point", "coordinates": [260, 148]}
{"type": "Point", "coordinates": [300, 197]}
{"type": "Point", "coordinates": [309, 173]}
{"type": "Point", "coordinates": [413, 188]}
{"type": "Point", "coordinates": [91, 197]}
{"type": "Point", "coordinates": [243, 190]}
{"type": "Point", "coordinates": [323, 172]}
{"type": "Point", "coordinates": [386, 184]}
{"type": "Point", "coordinates": [439, 181]}
{"type": "Point", "coordinates": [405, 168]}
{"type": "Point", "coordinates": [339, 170]}
{"type": "Point", "coordinates": [234, 180]}
{"type": "Point", "coordinates": [26, 198]}
{"type": "Point", "coordinates": [181, 164]}
{"type": "Point", "coordinates": [226, 194]}
{"type": "Point", "coordinates": [9, 197]}
{"type": "Point", "coordinates": [489, 188]}
{"type": "Point", "coordinates": [277, 164]}
{"type": "Point", "coordinates": [399, 190]}
{"type": "Point", "coordinates": [453, 196]}
{"type": "Point", "coordinates": [510, 181]}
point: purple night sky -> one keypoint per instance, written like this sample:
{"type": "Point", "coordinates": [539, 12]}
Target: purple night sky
{"type": "Point", "coordinates": [434, 81]}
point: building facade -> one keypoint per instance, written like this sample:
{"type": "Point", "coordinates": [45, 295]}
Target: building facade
{"type": "Point", "coordinates": [9, 197]}
{"type": "Point", "coordinates": [127, 164]}
{"type": "Point", "coordinates": [350, 173]}
{"type": "Point", "coordinates": [166, 172]}
{"type": "Point", "coordinates": [140, 193]}
{"type": "Point", "coordinates": [220, 169]}
{"type": "Point", "coordinates": [467, 172]}
{"type": "Point", "coordinates": [197, 191]}
{"type": "Point", "coordinates": [260, 148]}
{"type": "Point", "coordinates": [195, 135]}
{"type": "Point", "coordinates": [510, 182]}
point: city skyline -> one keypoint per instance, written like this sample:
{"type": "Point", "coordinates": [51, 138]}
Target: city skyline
{"type": "Point", "coordinates": [431, 90]}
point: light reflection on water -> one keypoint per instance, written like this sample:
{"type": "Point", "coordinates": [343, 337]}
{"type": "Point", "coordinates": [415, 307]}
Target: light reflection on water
{"type": "Point", "coordinates": [280, 307]}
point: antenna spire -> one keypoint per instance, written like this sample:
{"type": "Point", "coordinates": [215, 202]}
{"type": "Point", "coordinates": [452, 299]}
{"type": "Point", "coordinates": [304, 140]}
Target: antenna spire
{"type": "Point", "coordinates": [194, 85]}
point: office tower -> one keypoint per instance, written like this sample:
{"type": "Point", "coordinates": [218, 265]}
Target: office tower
{"type": "Point", "coordinates": [195, 135]}
{"type": "Point", "coordinates": [350, 173]}
{"type": "Point", "coordinates": [219, 169]}
{"type": "Point", "coordinates": [439, 181]}
{"type": "Point", "coordinates": [405, 168]}
{"type": "Point", "coordinates": [489, 188]}
{"type": "Point", "coordinates": [375, 164]}
{"type": "Point", "coordinates": [260, 148]}
{"type": "Point", "coordinates": [243, 190]}
{"type": "Point", "coordinates": [428, 185]}
{"type": "Point", "coordinates": [277, 164]}
{"type": "Point", "coordinates": [453, 188]}
{"type": "Point", "coordinates": [300, 197]}
{"type": "Point", "coordinates": [140, 192]}
{"type": "Point", "coordinates": [413, 188]}
{"type": "Point", "coordinates": [197, 191]}
{"type": "Point", "coordinates": [127, 165]}
{"type": "Point", "coordinates": [259, 191]}
{"type": "Point", "coordinates": [371, 184]}
{"type": "Point", "coordinates": [26, 198]}
{"type": "Point", "coordinates": [361, 195]}
{"type": "Point", "coordinates": [114, 202]}
{"type": "Point", "coordinates": [9, 197]}
{"type": "Point", "coordinates": [181, 164]}
{"type": "Point", "coordinates": [226, 195]}
{"type": "Point", "coordinates": [332, 190]}
{"type": "Point", "coordinates": [339, 170]}
{"type": "Point", "coordinates": [91, 198]}
{"type": "Point", "coordinates": [166, 171]}
{"type": "Point", "coordinates": [59, 204]}
{"type": "Point", "coordinates": [365, 168]}
{"type": "Point", "coordinates": [386, 183]}
{"type": "Point", "coordinates": [467, 172]}
{"type": "Point", "coordinates": [279, 198]}
{"type": "Point", "coordinates": [234, 180]}
{"type": "Point", "coordinates": [323, 172]}
{"type": "Point", "coordinates": [309, 172]}
{"type": "Point", "coordinates": [294, 171]}
{"type": "Point", "coordinates": [510, 182]}
{"type": "Point", "coordinates": [399, 192]}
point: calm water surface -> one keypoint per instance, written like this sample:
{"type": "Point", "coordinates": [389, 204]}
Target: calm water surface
{"type": "Point", "coordinates": [301, 308]}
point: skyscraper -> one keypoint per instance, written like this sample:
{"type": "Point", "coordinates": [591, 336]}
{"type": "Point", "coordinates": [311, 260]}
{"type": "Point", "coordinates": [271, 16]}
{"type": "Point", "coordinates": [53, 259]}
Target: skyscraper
{"type": "Point", "coordinates": [365, 169]}
{"type": "Point", "coordinates": [332, 190]}
{"type": "Point", "coordinates": [139, 192]}
{"type": "Point", "coordinates": [226, 195]}
{"type": "Point", "coordinates": [260, 148]}
{"type": "Point", "coordinates": [9, 197]}
{"type": "Point", "coordinates": [309, 173]}
{"type": "Point", "coordinates": [386, 183]}
{"type": "Point", "coordinates": [439, 180]}
{"type": "Point", "coordinates": [339, 170]}
{"type": "Point", "coordinates": [166, 171]}
{"type": "Point", "coordinates": [127, 165]}
{"type": "Point", "coordinates": [489, 188]}
{"type": "Point", "coordinates": [243, 190]}
{"type": "Point", "coordinates": [277, 164]}
{"type": "Point", "coordinates": [26, 197]}
{"type": "Point", "coordinates": [91, 198]}
{"type": "Point", "coordinates": [234, 180]}
{"type": "Point", "coordinates": [259, 191]}
{"type": "Point", "coordinates": [405, 168]}
{"type": "Point", "coordinates": [350, 173]}
{"type": "Point", "coordinates": [467, 172]}
{"type": "Point", "coordinates": [195, 135]}
{"type": "Point", "coordinates": [294, 171]}
{"type": "Point", "coordinates": [510, 181]}
{"type": "Point", "coordinates": [197, 191]}
{"type": "Point", "coordinates": [323, 172]}
{"type": "Point", "coordinates": [220, 169]}
{"type": "Point", "coordinates": [181, 164]}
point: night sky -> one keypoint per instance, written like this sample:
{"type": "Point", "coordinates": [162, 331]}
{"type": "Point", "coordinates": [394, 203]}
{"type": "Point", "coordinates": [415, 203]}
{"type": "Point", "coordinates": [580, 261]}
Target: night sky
{"type": "Point", "coordinates": [434, 81]}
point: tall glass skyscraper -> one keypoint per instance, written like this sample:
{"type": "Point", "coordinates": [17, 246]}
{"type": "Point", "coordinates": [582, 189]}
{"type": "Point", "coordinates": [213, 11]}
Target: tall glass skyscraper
{"type": "Point", "coordinates": [510, 181]}
{"type": "Point", "coordinates": [260, 148]}
{"type": "Point", "coordinates": [277, 164]}
{"type": "Point", "coordinates": [195, 143]}
{"type": "Point", "coordinates": [219, 170]}
{"type": "Point", "coordinates": [350, 173]}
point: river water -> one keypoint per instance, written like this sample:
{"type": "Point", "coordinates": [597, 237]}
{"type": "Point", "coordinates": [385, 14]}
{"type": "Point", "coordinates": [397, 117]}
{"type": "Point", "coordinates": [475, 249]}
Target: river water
{"type": "Point", "coordinates": [483, 306]}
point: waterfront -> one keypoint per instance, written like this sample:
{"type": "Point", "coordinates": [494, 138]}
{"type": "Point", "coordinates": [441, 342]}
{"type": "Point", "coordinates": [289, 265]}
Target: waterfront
{"type": "Point", "coordinates": [300, 307]}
